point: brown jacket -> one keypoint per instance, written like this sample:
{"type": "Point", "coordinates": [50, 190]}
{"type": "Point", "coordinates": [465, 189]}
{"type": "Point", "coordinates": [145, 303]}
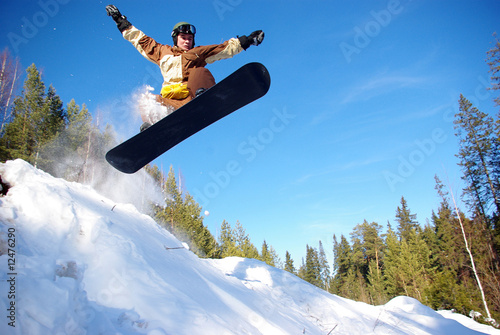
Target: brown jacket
{"type": "Point", "coordinates": [175, 63]}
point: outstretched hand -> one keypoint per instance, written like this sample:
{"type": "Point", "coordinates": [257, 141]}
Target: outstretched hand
{"type": "Point", "coordinates": [121, 21]}
{"type": "Point", "coordinates": [254, 38]}
{"type": "Point", "coordinates": [113, 12]}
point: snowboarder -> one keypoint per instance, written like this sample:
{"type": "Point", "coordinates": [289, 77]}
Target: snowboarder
{"type": "Point", "coordinates": [182, 65]}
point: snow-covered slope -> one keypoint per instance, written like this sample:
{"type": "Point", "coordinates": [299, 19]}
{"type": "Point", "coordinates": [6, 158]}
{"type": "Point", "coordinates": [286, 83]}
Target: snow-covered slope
{"type": "Point", "coordinates": [87, 265]}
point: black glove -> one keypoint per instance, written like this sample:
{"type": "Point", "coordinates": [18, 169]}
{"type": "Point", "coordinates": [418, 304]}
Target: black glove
{"type": "Point", "coordinates": [254, 38]}
{"type": "Point", "coordinates": [121, 21]}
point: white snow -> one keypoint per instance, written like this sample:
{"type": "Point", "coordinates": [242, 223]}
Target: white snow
{"type": "Point", "coordinates": [87, 265]}
{"type": "Point", "coordinates": [148, 107]}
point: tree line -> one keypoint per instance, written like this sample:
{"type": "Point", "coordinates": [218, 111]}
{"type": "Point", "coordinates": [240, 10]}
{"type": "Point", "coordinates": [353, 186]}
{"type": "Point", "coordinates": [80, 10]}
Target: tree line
{"type": "Point", "coordinates": [37, 128]}
{"type": "Point", "coordinates": [451, 262]}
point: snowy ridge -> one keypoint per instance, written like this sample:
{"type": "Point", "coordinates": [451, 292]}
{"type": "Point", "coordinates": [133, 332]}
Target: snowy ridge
{"type": "Point", "coordinates": [87, 265]}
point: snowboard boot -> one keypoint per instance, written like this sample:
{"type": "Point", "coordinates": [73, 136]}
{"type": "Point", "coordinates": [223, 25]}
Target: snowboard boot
{"type": "Point", "coordinates": [145, 126]}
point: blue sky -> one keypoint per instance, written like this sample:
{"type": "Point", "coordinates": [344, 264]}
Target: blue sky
{"type": "Point", "coordinates": [360, 110]}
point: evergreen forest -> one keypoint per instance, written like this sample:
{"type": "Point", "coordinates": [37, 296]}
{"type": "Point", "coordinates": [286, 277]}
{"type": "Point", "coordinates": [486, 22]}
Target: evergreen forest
{"type": "Point", "coordinates": [450, 262]}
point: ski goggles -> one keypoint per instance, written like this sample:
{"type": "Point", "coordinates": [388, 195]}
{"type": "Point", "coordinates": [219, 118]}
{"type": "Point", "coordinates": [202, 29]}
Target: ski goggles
{"type": "Point", "coordinates": [186, 29]}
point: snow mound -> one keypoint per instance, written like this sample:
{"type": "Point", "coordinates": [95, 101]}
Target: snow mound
{"type": "Point", "coordinates": [75, 262]}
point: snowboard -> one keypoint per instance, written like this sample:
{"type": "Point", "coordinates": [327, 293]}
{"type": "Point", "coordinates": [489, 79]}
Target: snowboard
{"type": "Point", "coordinates": [248, 83]}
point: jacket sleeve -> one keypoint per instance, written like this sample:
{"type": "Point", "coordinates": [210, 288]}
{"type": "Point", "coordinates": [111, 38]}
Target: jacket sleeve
{"type": "Point", "coordinates": [146, 45]}
{"type": "Point", "coordinates": [216, 52]}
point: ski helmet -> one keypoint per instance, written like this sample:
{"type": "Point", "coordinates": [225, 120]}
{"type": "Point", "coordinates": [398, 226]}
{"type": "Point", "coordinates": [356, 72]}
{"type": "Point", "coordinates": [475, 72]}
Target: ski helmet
{"type": "Point", "coordinates": [183, 27]}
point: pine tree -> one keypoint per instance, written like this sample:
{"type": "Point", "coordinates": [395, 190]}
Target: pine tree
{"type": "Point", "coordinates": [358, 261]}
{"type": "Point", "coordinates": [342, 265]}
{"type": "Point", "coordinates": [56, 118]}
{"type": "Point", "coordinates": [367, 245]}
{"type": "Point", "coordinates": [276, 260]}
{"type": "Point", "coordinates": [418, 268]}
{"type": "Point", "coordinates": [450, 288]}
{"type": "Point", "coordinates": [265, 256]}
{"type": "Point", "coordinates": [244, 247]}
{"type": "Point", "coordinates": [324, 267]}
{"type": "Point", "coordinates": [191, 226]}
{"type": "Point", "coordinates": [446, 293]}
{"type": "Point", "coordinates": [173, 211]}
{"type": "Point", "coordinates": [79, 123]}
{"type": "Point", "coordinates": [312, 267]}
{"type": "Point", "coordinates": [301, 272]}
{"type": "Point", "coordinates": [269, 255]}
{"type": "Point", "coordinates": [475, 130]}
{"type": "Point", "coordinates": [227, 240]}
{"type": "Point", "coordinates": [406, 221]}
{"type": "Point", "coordinates": [407, 265]}
{"type": "Point", "coordinates": [289, 263]}
{"type": "Point", "coordinates": [23, 135]}
{"type": "Point", "coordinates": [236, 242]}
{"type": "Point", "coordinates": [375, 283]}
{"type": "Point", "coordinates": [50, 122]}
{"type": "Point", "coordinates": [449, 251]}
{"type": "Point", "coordinates": [392, 261]}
